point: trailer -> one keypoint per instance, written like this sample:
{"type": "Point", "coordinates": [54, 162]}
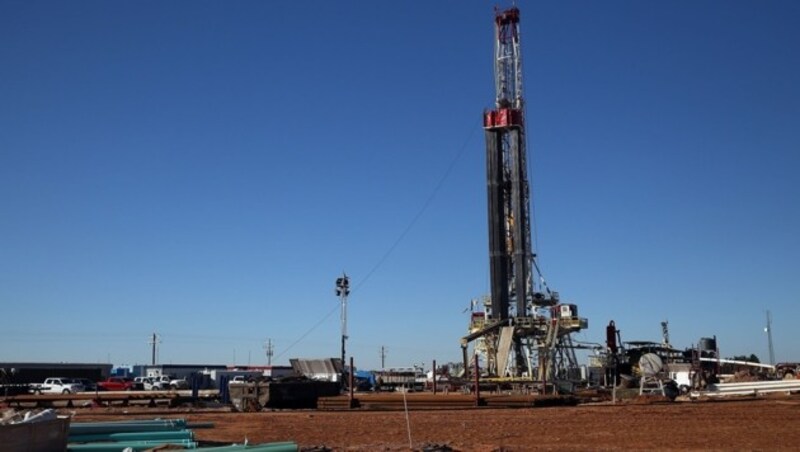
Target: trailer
{"type": "Point", "coordinates": [288, 393]}
{"type": "Point", "coordinates": [405, 378]}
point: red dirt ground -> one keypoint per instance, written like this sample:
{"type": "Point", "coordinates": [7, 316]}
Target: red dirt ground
{"type": "Point", "coordinates": [764, 424]}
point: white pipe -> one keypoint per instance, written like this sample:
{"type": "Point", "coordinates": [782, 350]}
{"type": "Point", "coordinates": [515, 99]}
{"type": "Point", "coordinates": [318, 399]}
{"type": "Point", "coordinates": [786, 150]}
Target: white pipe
{"type": "Point", "coordinates": [742, 363]}
{"type": "Point", "coordinates": [750, 388]}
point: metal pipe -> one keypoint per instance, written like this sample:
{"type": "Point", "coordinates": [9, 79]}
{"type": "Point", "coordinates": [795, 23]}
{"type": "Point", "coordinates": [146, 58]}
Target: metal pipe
{"type": "Point", "coordinates": [86, 428]}
{"type": "Point", "coordinates": [477, 384]}
{"type": "Point", "coordinates": [734, 361]}
{"type": "Point", "coordinates": [134, 445]}
{"type": "Point", "coordinates": [133, 436]}
{"type": "Point", "coordinates": [466, 361]}
{"type": "Point", "coordinates": [434, 377]}
{"type": "Point", "coordinates": [351, 381]}
{"type": "Point", "coordinates": [750, 388]}
{"type": "Point", "coordinates": [268, 447]}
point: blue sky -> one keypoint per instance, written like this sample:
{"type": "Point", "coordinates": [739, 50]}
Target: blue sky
{"type": "Point", "coordinates": [205, 170]}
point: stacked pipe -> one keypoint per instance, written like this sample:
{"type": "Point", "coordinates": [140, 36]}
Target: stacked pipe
{"type": "Point", "coordinates": [428, 401]}
{"type": "Point", "coordinates": [394, 401]}
{"type": "Point", "coordinates": [526, 401]}
{"type": "Point", "coordinates": [139, 435]}
{"type": "Point", "coordinates": [751, 388]}
{"type": "Point", "coordinates": [136, 435]}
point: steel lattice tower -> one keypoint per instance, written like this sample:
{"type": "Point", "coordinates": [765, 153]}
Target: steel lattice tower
{"type": "Point", "coordinates": [507, 180]}
{"type": "Point", "coordinates": [523, 327]}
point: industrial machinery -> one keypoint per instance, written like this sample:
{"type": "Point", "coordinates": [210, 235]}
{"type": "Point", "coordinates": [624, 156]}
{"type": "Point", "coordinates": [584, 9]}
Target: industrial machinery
{"type": "Point", "coordinates": [654, 377]}
{"type": "Point", "coordinates": [787, 371]}
{"type": "Point", "coordinates": [705, 363]}
{"type": "Point", "coordinates": [523, 331]}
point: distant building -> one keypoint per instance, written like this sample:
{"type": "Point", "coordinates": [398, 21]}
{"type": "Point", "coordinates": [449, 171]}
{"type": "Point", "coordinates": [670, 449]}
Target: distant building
{"type": "Point", "coordinates": [180, 370]}
{"type": "Point", "coordinates": [38, 372]}
{"type": "Point", "coordinates": [124, 370]}
{"type": "Point", "coordinates": [274, 372]}
{"type": "Point", "coordinates": [248, 372]}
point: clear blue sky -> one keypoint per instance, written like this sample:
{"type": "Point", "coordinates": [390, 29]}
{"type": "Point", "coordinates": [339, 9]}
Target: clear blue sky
{"type": "Point", "coordinates": [206, 170]}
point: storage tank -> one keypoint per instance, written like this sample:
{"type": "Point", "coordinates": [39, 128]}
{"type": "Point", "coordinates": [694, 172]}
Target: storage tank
{"type": "Point", "coordinates": [708, 344]}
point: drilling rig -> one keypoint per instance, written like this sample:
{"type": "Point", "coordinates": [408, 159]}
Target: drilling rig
{"type": "Point", "coordinates": [523, 332]}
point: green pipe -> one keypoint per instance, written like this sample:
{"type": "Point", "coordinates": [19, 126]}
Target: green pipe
{"type": "Point", "coordinates": [134, 436]}
{"type": "Point", "coordinates": [88, 428]}
{"type": "Point", "coordinates": [136, 446]}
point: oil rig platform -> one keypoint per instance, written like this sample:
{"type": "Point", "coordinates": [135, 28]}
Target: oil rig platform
{"type": "Point", "coordinates": [522, 331]}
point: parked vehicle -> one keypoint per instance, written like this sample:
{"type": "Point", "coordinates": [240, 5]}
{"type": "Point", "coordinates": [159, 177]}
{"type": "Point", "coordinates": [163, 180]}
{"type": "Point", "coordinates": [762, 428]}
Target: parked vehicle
{"type": "Point", "coordinates": [159, 383]}
{"type": "Point", "coordinates": [146, 382]}
{"type": "Point", "coordinates": [168, 382]}
{"type": "Point", "coordinates": [119, 384]}
{"type": "Point", "coordinates": [401, 378]}
{"type": "Point", "coordinates": [178, 383]}
{"type": "Point", "coordinates": [58, 385]}
{"type": "Point", "coordinates": [88, 385]}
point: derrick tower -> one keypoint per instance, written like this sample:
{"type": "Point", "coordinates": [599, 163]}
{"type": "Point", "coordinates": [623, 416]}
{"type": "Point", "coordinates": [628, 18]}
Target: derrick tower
{"type": "Point", "coordinates": [523, 330]}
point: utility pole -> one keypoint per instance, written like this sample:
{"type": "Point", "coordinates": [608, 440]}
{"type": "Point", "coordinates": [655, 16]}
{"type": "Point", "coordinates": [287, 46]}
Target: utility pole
{"type": "Point", "coordinates": [154, 341]}
{"type": "Point", "coordinates": [270, 351]}
{"type": "Point", "coordinates": [383, 357]}
{"type": "Point", "coordinates": [768, 330]}
{"type": "Point", "coordinates": [342, 291]}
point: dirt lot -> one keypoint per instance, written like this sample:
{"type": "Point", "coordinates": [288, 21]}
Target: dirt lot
{"type": "Point", "coordinates": [767, 424]}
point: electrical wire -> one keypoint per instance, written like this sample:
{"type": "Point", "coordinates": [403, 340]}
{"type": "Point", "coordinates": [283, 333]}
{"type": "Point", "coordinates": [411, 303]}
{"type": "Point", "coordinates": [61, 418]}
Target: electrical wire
{"type": "Point", "coordinates": [397, 241]}
{"type": "Point", "coordinates": [309, 331]}
{"type": "Point", "coordinates": [421, 211]}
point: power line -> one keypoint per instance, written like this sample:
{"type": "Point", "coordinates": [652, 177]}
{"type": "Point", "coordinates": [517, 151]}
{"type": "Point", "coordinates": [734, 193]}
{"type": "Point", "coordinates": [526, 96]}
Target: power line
{"type": "Point", "coordinates": [399, 239]}
{"type": "Point", "coordinates": [309, 331]}
{"type": "Point", "coordinates": [422, 209]}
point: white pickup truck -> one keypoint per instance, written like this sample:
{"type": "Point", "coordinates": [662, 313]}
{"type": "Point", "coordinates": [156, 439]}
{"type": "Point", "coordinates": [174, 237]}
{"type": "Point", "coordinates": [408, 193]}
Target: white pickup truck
{"type": "Point", "coordinates": [146, 382]}
{"type": "Point", "coordinates": [58, 385]}
{"type": "Point", "coordinates": [164, 382]}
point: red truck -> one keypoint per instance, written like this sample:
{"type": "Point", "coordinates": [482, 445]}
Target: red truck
{"type": "Point", "coordinates": [119, 384]}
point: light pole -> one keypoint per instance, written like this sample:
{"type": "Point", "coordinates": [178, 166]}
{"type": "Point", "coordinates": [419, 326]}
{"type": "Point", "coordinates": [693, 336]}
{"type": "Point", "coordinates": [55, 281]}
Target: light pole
{"type": "Point", "coordinates": [768, 330]}
{"type": "Point", "coordinates": [342, 291]}
{"type": "Point", "coordinates": [154, 343]}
